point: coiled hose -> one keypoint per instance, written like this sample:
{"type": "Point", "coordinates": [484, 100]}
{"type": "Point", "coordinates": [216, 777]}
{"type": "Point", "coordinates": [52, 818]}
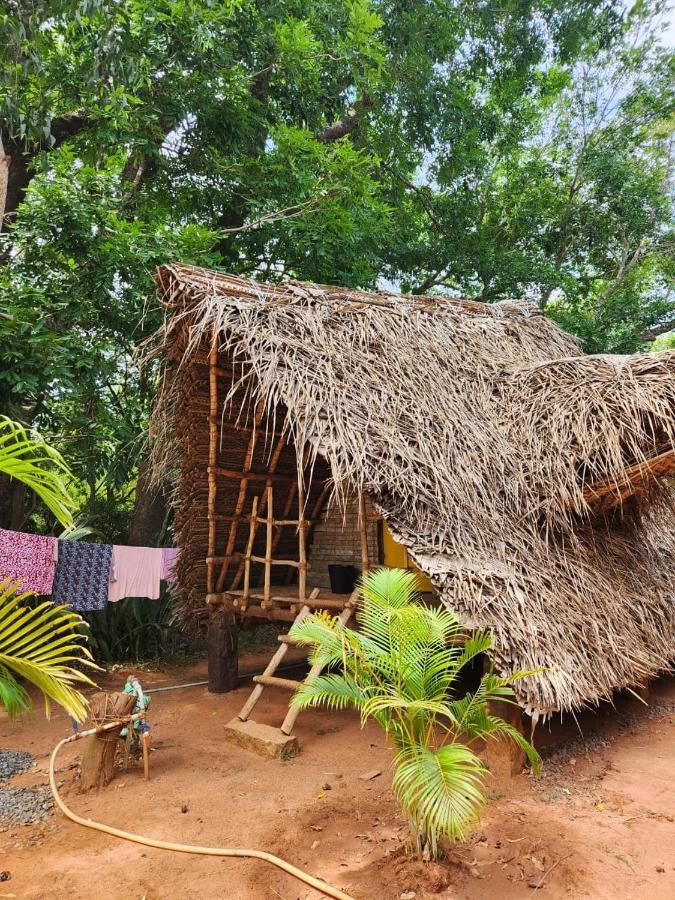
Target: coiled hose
{"type": "Point", "coordinates": [316, 883]}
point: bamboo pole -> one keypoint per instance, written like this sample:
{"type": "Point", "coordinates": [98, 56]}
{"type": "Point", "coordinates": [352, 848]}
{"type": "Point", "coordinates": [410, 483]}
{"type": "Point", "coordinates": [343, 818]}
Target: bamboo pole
{"type": "Point", "coordinates": [363, 533]}
{"type": "Point", "coordinates": [267, 587]}
{"type": "Point", "coordinates": [274, 462]}
{"type": "Point", "coordinates": [249, 550]}
{"type": "Point", "coordinates": [213, 457]}
{"type": "Point", "coordinates": [302, 547]}
{"type": "Point", "coordinates": [241, 498]}
{"type": "Point", "coordinates": [311, 522]}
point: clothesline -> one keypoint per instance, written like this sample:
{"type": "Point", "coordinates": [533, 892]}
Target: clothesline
{"type": "Point", "coordinates": [83, 574]}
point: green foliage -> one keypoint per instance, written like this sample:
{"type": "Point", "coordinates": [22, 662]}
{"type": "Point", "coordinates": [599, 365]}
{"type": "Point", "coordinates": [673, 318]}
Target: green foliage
{"type": "Point", "coordinates": [41, 646]}
{"type": "Point", "coordinates": [401, 669]}
{"type": "Point", "coordinates": [27, 458]}
{"type": "Point", "coordinates": [136, 630]}
{"type": "Point", "coordinates": [492, 150]}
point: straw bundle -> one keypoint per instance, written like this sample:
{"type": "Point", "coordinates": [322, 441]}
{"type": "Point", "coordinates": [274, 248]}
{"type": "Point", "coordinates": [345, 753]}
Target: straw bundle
{"type": "Point", "coordinates": [523, 477]}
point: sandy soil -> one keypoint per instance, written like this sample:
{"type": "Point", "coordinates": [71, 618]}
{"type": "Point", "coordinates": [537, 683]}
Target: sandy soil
{"type": "Point", "coordinates": [598, 824]}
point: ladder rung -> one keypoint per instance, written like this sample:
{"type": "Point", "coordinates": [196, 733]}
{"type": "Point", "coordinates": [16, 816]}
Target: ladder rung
{"type": "Point", "coordinates": [272, 681]}
{"type": "Point", "coordinates": [287, 639]}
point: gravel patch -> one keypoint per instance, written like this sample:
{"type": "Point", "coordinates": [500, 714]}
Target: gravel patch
{"type": "Point", "coordinates": [23, 806]}
{"type": "Point", "coordinates": [20, 805]}
{"type": "Point", "coordinates": [13, 762]}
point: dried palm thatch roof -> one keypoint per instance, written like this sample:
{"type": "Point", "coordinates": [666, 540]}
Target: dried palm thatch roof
{"type": "Point", "coordinates": [524, 478]}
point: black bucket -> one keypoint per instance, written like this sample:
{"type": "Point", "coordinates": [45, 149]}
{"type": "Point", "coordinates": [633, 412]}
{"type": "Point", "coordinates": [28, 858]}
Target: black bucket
{"type": "Point", "coordinates": [342, 578]}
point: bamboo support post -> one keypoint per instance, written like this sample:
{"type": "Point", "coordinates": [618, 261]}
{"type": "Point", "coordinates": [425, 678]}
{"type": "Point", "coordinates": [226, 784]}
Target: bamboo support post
{"type": "Point", "coordinates": [267, 586]}
{"type": "Point", "coordinates": [244, 475]}
{"type": "Point", "coordinates": [274, 462]}
{"type": "Point", "coordinates": [311, 522]}
{"type": "Point", "coordinates": [363, 534]}
{"type": "Point", "coordinates": [213, 458]}
{"type": "Point", "coordinates": [249, 550]}
{"type": "Point", "coordinates": [302, 548]}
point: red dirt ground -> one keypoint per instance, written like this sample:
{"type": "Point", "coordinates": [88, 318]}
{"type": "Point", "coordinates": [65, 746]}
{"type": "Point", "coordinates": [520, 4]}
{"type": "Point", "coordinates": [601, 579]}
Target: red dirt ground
{"type": "Point", "coordinates": [598, 824]}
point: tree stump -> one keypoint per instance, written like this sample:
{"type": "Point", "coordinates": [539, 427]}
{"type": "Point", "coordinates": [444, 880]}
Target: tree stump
{"type": "Point", "coordinates": [98, 757]}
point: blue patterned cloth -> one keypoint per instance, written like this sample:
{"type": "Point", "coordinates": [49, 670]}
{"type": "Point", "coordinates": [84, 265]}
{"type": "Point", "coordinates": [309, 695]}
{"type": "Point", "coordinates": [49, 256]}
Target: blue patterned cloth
{"type": "Point", "coordinates": [82, 575]}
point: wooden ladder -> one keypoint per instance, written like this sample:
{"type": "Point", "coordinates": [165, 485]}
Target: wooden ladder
{"type": "Point", "coordinates": [269, 679]}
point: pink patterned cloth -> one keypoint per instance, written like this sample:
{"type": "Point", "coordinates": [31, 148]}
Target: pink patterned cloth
{"type": "Point", "coordinates": [169, 557]}
{"type": "Point", "coordinates": [29, 558]}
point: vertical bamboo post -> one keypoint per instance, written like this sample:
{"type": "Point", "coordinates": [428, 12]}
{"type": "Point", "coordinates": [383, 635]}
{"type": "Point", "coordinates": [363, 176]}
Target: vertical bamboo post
{"type": "Point", "coordinates": [249, 550]}
{"type": "Point", "coordinates": [363, 534]}
{"type": "Point", "coordinates": [302, 549]}
{"type": "Point", "coordinates": [213, 459]}
{"type": "Point", "coordinates": [267, 586]}
{"type": "Point", "coordinates": [241, 497]}
{"type": "Point", "coordinates": [274, 461]}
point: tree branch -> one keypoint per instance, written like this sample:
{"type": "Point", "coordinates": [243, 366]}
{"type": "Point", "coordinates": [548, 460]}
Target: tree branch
{"type": "Point", "coordinates": [655, 331]}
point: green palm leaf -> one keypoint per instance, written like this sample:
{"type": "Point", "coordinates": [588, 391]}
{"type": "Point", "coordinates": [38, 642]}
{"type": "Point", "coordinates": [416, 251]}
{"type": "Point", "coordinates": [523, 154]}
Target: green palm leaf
{"type": "Point", "coordinates": [28, 458]}
{"type": "Point", "coordinates": [40, 645]}
{"type": "Point", "coordinates": [440, 790]}
{"type": "Point", "coordinates": [331, 691]}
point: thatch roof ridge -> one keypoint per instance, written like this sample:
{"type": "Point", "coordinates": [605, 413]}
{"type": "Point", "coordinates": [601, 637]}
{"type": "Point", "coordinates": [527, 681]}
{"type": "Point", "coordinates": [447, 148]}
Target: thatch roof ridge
{"type": "Point", "coordinates": [197, 281]}
{"type": "Point", "coordinates": [477, 432]}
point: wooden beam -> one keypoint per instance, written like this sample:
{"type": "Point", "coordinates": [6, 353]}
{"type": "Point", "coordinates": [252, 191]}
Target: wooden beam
{"type": "Point", "coordinates": [220, 559]}
{"type": "Point", "coordinates": [302, 548]}
{"type": "Point", "coordinates": [234, 598]}
{"type": "Point", "coordinates": [249, 549]}
{"type": "Point", "coordinates": [269, 535]}
{"type": "Point", "coordinates": [213, 458]}
{"type": "Point", "coordinates": [608, 494]}
{"type": "Point", "coordinates": [363, 533]}
{"type": "Point", "coordinates": [276, 562]}
{"type": "Point", "coordinates": [276, 477]}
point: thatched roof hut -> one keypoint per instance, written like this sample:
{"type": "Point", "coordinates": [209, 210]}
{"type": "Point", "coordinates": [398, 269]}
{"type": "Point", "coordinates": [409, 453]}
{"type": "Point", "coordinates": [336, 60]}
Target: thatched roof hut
{"type": "Point", "coordinates": [524, 478]}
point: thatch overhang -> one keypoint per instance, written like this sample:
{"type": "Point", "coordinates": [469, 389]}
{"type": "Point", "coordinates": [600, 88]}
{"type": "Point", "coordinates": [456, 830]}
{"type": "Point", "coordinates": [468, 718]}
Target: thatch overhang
{"type": "Point", "coordinates": [528, 481]}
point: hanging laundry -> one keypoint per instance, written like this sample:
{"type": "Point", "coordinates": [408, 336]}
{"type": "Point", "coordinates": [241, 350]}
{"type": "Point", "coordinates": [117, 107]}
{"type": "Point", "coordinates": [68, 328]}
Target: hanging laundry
{"type": "Point", "coordinates": [29, 558]}
{"type": "Point", "coordinates": [136, 572]}
{"type": "Point", "coordinates": [82, 575]}
{"type": "Point", "coordinates": [169, 557]}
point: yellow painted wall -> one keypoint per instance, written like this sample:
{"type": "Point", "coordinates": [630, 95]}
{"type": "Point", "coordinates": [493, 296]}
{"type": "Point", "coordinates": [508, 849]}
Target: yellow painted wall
{"type": "Point", "coordinates": [396, 556]}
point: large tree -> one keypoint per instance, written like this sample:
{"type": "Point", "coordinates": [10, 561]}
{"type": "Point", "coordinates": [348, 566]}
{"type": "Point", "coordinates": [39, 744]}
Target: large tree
{"type": "Point", "coordinates": [491, 149]}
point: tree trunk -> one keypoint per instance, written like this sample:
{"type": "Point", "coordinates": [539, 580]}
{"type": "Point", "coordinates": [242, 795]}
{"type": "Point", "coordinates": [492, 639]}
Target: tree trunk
{"type": "Point", "coordinates": [98, 757]}
{"type": "Point", "coordinates": [150, 511]}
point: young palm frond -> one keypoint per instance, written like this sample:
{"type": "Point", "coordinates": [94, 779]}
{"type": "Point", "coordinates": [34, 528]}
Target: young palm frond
{"type": "Point", "coordinates": [400, 669]}
{"type": "Point", "coordinates": [40, 645]}
{"type": "Point", "coordinates": [28, 458]}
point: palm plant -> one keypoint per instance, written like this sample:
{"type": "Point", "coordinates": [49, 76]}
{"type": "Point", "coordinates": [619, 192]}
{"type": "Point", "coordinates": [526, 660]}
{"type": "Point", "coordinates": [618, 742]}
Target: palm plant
{"type": "Point", "coordinates": [38, 643]}
{"type": "Point", "coordinates": [400, 669]}
{"type": "Point", "coordinates": [27, 457]}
